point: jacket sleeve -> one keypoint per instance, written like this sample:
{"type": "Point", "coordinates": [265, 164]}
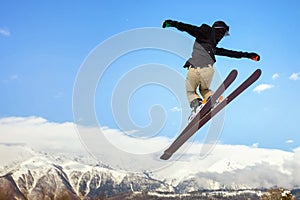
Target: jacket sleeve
{"type": "Point", "coordinates": [194, 31]}
{"type": "Point", "coordinates": [230, 53]}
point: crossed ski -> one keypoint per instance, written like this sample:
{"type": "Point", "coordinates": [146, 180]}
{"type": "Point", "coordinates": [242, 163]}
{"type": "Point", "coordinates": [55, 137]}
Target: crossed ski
{"type": "Point", "coordinates": [207, 112]}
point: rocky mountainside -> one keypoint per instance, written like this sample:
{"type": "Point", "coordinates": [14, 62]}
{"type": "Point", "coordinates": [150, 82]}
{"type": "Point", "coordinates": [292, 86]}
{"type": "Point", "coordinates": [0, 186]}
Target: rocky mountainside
{"type": "Point", "coordinates": [47, 177]}
{"type": "Point", "coordinates": [46, 160]}
{"type": "Point", "coordinates": [42, 178]}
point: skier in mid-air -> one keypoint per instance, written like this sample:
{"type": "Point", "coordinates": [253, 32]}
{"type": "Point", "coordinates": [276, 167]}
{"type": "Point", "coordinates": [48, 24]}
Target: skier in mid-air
{"type": "Point", "coordinates": [200, 65]}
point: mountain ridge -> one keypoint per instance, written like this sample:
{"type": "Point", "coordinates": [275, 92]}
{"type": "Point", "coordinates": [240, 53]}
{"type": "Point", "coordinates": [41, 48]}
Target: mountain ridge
{"type": "Point", "coordinates": [45, 176]}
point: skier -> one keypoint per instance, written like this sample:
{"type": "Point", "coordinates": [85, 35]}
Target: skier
{"type": "Point", "coordinates": [200, 65]}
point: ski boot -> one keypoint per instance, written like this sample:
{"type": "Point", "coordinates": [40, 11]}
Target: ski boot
{"type": "Point", "coordinates": [196, 106]}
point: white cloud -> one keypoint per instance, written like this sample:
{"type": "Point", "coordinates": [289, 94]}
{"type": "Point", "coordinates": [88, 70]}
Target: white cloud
{"type": "Point", "coordinates": [275, 76]}
{"type": "Point", "coordinates": [11, 78]}
{"type": "Point", "coordinates": [59, 95]}
{"type": "Point", "coordinates": [4, 32]}
{"type": "Point", "coordinates": [262, 87]}
{"type": "Point", "coordinates": [14, 77]}
{"type": "Point", "coordinates": [255, 145]}
{"type": "Point", "coordinates": [39, 133]}
{"type": "Point", "coordinates": [175, 109]}
{"type": "Point", "coordinates": [226, 164]}
{"type": "Point", "coordinates": [295, 76]}
{"type": "Point", "coordinates": [289, 141]}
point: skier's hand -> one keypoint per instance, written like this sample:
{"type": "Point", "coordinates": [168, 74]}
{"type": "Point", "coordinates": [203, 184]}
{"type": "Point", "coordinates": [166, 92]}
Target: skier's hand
{"type": "Point", "coordinates": [253, 56]}
{"type": "Point", "coordinates": [169, 23]}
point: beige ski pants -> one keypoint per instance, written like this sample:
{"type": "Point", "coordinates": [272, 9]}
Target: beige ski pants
{"type": "Point", "coordinates": [199, 77]}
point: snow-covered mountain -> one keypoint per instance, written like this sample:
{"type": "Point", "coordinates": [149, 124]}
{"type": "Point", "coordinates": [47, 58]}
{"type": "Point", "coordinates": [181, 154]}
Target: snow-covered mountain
{"type": "Point", "coordinates": [43, 176]}
{"type": "Point", "coordinates": [45, 160]}
{"type": "Point", "coordinates": [46, 176]}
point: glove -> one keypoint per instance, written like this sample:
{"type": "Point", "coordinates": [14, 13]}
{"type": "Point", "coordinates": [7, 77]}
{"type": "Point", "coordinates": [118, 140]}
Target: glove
{"type": "Point", "coordinates": [169, 23]}
{"type": "Point", "coordinates": [252, 56]}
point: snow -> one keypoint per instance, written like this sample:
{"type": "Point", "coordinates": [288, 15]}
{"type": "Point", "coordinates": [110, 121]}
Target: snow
{"type": "Point", "coordinates": [213, 172]}
{"type": "Point", "coordinates": [217, 173]}
{"type": "Point", "coordinates": [34, 143]}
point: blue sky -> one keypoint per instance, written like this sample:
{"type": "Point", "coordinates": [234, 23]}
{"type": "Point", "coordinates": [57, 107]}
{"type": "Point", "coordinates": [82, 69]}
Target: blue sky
{"type": "Point", "coordinates": [43, 45]}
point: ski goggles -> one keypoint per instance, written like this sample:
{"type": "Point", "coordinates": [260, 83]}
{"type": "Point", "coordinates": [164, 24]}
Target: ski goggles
{"type": "Point", "coordinates": [225, 28]}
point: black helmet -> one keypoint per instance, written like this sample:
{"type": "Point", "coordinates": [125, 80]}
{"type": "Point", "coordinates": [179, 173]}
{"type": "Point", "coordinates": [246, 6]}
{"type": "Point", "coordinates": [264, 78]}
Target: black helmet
{"type": "Point", "coordinates": [223, 25]}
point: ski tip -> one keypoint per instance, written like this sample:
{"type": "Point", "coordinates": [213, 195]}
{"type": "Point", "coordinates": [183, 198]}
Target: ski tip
{"type": "Point", "coordinates": [258, 71]}
{"type": "Point", "coordinates": [166, 156]}
{"type": "Point", "coordinates": [234, 71]}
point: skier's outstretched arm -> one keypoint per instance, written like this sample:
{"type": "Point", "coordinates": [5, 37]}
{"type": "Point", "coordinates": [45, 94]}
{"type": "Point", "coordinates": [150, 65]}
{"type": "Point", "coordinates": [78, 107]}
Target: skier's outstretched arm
{"type": "Point", "coordinates": [190, 29]}
{"type": "Point", "coordinates": [237, 54]}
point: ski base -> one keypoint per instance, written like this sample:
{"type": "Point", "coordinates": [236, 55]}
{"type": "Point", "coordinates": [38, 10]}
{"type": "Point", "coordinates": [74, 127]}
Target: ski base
{"type": "Point", "coordinates": [200, 121]}
{"type": "Point", "coordinates": [208, 105]}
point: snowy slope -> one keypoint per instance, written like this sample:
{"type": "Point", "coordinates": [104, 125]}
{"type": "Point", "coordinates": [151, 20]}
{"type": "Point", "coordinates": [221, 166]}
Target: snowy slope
{"type": "Point", "coordinates": [35, 153]}
{"type": "Point", "coordinates": [42, 174]}
{"type": "Point", "coordinates": [52, 175]}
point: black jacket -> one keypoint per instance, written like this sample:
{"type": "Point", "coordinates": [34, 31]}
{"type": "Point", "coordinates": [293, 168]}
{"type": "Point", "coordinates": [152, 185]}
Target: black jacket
{"type": "Point", "coordinates": [206, 37]}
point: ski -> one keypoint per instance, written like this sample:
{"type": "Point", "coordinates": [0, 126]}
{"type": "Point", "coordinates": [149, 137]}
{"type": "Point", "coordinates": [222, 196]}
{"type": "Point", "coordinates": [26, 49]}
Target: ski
{"type": "Point", "coordinates": [197, 124]}
{"type": "Point", "coordinates": [206, 108]}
